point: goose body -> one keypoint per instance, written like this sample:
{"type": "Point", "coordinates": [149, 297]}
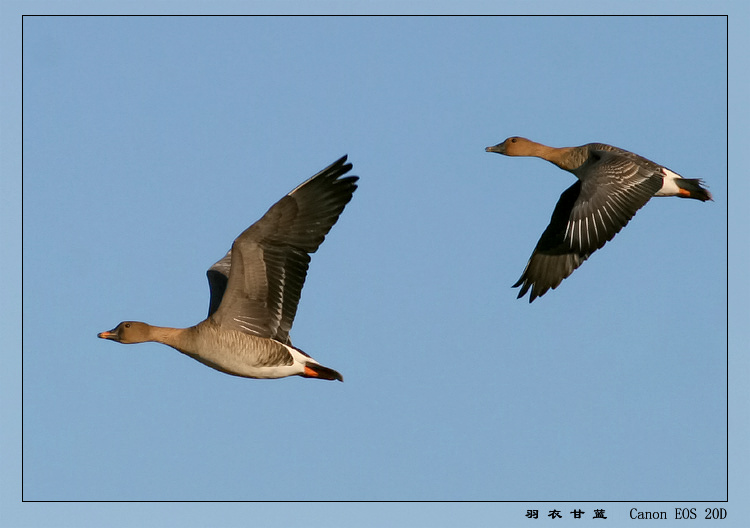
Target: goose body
{"type": "Point", "coordinates": [256, 287]}
{"type": "Point", "coordinates": [612, 185]}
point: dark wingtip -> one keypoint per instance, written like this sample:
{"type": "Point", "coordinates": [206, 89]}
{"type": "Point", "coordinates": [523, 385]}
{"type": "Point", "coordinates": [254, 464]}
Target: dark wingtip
{"type": "Point", "coordinates": [341, 162]}
{"type": "Point", "coordinates": [525, 288]}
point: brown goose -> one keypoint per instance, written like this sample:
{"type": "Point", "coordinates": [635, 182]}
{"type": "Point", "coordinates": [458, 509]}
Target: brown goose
{"type": "Point", "coordinates": [612, 185]}
{"type": "Point", "coordinates": [256, 287]}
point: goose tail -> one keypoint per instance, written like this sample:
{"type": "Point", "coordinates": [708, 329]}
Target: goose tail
{"type": "Point", "coordinates": [693, 188]}
{"type": "Point", "coordinates": [315, 370]}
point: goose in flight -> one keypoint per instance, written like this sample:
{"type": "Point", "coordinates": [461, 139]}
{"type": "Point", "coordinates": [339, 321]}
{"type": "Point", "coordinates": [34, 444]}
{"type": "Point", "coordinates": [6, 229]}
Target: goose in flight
{"type": "Point", "coordinates": [256, 286]}
{"type": "Point", "coordinates": [612, 185]}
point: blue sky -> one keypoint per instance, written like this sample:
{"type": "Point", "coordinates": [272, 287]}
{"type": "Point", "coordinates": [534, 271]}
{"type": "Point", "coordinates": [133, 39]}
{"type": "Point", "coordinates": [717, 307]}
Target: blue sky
{"type": "Point", "coordinates": [150, 143]}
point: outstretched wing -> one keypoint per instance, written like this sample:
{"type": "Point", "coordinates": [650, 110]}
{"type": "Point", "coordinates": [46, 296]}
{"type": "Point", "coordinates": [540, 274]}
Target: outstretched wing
{"type": "Point", "coordinates": [256, 286]}
{"type": "Point", "coordinates": [613, 185]}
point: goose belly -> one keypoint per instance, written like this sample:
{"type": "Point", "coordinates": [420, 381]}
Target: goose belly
{"type": "Point", "coordinates": [246, 355]}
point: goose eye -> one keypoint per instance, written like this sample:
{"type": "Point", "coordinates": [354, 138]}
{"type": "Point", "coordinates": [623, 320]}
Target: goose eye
{"type": "Point", "coordinates": [127, 325]}
{"type": "Point", "coordinates": [513, 140]}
